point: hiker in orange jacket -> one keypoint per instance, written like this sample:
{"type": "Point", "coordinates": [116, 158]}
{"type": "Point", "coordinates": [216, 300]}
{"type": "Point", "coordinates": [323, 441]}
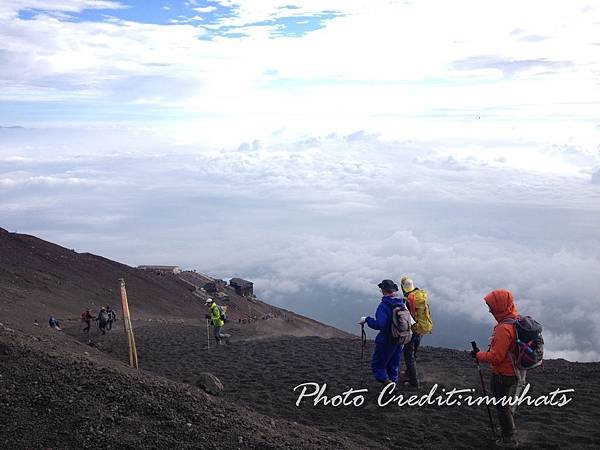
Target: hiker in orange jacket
{"type": "Point", "coordinates": [502, 306]}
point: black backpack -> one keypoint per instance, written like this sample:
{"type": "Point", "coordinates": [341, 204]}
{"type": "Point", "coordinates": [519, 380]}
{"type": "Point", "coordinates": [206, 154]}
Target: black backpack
{"type": "Point", "coordinates": [103, 317]}
{"type": "Point", "coordinates": [401, 326]}
{"type": "Point", "coordinates": [529, 347]}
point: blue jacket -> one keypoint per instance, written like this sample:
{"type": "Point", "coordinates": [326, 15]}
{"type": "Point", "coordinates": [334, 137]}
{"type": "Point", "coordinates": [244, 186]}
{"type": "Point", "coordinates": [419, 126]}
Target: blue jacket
{"type": "Point", "coordinates": [383, 318]}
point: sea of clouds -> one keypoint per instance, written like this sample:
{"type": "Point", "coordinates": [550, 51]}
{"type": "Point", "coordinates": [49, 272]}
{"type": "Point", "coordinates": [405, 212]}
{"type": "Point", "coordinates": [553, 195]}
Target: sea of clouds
{"type": "Point", "coordinates": [317, 221]}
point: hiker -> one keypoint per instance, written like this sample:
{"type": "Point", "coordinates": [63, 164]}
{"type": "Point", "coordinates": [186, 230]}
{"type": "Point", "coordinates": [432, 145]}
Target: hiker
{"type": "Point", "coordinates": [86, 317]}
{"type": "Point", "coordinates": [385, 362]}
{"type": "Point", "coordinates": [216, 317]}
{"type": "Point", "coordinates": [416, 300]}
{"type": "Point", "coordinates": [102, 320]}
{"type": "Point", "coordinates": [112, 317]}
{"type": "Point", "coordinates": [502, 306]}
{"type": "Point", "coordinates": [54, 323]}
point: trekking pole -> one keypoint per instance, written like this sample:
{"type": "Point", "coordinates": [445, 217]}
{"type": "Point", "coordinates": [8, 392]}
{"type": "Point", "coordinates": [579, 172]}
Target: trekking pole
{"type": "Point", "coordinates": [363, 344]}
{"type": "Point", "coordinates": [489, 411]}
{"type": "Point", "coordinates": [207, 333]}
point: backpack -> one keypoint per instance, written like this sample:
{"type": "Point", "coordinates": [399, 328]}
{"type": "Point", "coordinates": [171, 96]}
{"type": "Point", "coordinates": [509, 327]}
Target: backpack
{"type": "Point", "coordinates": [528, 352]}
{"type": "Point", "coordinates": [103, 317]}
{"type": "Point", "coordinates": [424, 323]}
{"type": "Point", "coordinates": [222, 314]}
{"type": "Point", "coordinates": [401, 326]}
{"type": "Point", "coordinates": [85, 316]}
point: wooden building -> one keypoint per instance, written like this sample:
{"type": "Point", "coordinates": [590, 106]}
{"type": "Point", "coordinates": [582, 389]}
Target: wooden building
{"type": "Point", "coordinates": [242, 287]}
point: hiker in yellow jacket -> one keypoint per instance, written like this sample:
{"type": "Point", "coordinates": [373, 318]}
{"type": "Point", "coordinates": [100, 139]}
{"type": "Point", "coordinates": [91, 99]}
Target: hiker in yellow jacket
{"type": "Point", "coordinates": [416, 300]}
{"type": "Point", "coordinates": [216, 317]}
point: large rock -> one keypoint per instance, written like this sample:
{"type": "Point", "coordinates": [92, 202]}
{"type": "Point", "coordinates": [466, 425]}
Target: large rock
{"type": "Point", "coordinates": [209, 383]}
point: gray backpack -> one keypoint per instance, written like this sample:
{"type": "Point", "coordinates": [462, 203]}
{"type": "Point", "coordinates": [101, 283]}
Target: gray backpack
{"type": "Point", "coordinates": [401, 326]}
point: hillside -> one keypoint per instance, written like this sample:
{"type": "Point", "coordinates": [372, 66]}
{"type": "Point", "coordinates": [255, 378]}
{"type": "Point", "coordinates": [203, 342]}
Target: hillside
{"type": "Point", "coordinates": [38, 279]}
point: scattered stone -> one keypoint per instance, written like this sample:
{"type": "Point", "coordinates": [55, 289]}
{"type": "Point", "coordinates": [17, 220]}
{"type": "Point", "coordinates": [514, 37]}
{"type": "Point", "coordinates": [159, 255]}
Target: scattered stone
{"type": "Point", "coordinates": [210, 383]}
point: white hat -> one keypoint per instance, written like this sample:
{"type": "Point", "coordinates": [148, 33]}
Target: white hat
{"type": "Point", "coordinates": [208, 301]}
{"type": "Point", "coordinates": [407, 284]}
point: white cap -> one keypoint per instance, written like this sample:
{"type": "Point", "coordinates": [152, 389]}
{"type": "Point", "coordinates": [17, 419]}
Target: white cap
{"type": "Point", "coordinates": [407, 284]}
{"type": "Point", "coordinates": [208, 300]}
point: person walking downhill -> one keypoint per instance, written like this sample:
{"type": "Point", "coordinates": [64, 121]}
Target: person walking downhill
{"type": "Point", "coordinates": [112, 317]}
{"type": "Point", "coordinates": [86, 318]}
{"type": "Point", "coordinates": [102, 320]}
{"type": "Point", "coordinates": [502, 306]}
{"type": "Point", "coordinates": [416, 300]}
{"type": "Point", "coordinates": [216, 318]}
{"type": "Point", "coordinates": [385, 362]}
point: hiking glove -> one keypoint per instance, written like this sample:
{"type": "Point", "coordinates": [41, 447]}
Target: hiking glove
{"type": "Point", "coordinates": [362, 320]}
{"type": "Point", "coordinates": [474, 352]}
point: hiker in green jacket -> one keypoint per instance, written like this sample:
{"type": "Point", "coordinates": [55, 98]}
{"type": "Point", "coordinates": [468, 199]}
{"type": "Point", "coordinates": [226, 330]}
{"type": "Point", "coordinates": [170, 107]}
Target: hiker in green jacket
{"type": "Point", "coordinates": [216, 316]}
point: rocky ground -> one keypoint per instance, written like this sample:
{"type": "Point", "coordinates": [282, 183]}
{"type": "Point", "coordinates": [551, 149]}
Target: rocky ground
{"type": "Point", "coordinates": [57, 394]}
{"type": "Point", "coordinates": [261, 375]}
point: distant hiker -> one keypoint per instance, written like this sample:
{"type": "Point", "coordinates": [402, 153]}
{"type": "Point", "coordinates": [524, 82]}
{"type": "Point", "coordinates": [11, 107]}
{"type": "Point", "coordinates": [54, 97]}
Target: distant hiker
{"type": "Point", "coordinates": [102, 320]}
{"type": "Point", "coordinates": [416, 300]}
{"type": "Point", "coordinates": [216, 316]}
{"type": "Point", "coordinates": [385, 362]}
{"type": "Point", "coordinates": [112, 317]}
{"type": "Point", "coordinates": [502, 306]}
{"type": "Point", "coordinates": [86, 317]}
{"type": "Point", "coordinates": [54, 323]}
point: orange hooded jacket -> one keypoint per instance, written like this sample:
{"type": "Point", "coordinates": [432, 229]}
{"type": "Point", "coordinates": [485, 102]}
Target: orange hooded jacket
{"type": "Point", "coordinates": [502, 306]}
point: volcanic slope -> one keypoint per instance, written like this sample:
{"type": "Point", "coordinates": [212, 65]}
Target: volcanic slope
{"type": "Point", "coordinates": [69, 390]}
{"type": "Point", "coordinates": [58, 390]}
{"type": "Point", "coordinates": [58, 393]}
{"type": "Point", "coordinates": [38, 279]}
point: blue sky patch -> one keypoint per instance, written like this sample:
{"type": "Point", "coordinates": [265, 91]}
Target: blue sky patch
{"type": "Point", "coordinates": [142, 11]}
{"type": "Point", "coordinates": [208, 15]}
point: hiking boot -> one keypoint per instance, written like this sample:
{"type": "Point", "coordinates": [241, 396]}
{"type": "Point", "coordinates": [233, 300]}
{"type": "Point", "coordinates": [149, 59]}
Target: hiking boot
{"type": "Point", "coordinates": [507, 442]}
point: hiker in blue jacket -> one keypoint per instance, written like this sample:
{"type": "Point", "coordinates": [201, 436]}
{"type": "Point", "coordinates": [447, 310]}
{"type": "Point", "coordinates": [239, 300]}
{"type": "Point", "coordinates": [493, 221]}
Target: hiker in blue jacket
{"type": "Point", "coordinates": [386, 358]}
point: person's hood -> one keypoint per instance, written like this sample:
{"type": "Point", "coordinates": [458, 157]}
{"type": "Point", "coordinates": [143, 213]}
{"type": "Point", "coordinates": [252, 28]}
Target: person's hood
{"type": "Point", "coordinates": [502, 304]}
{"type": "Point", "coordinates": [393, 301]}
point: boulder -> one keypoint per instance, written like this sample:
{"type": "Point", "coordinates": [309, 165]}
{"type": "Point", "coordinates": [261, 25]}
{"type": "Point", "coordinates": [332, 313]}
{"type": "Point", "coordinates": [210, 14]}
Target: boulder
{"type": "Point", "coordinates": [209, 383]}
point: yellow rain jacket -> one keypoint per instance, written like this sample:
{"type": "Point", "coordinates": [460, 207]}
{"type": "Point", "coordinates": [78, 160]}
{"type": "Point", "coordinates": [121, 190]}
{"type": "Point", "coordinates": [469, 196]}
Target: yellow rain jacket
{"type": "Point", "coordinates": [215, 314]}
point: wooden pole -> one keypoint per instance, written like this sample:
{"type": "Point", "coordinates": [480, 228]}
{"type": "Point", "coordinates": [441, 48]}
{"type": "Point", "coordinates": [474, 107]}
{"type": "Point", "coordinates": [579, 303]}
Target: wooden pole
{"type": "Point", "coordinates": [133, 359]}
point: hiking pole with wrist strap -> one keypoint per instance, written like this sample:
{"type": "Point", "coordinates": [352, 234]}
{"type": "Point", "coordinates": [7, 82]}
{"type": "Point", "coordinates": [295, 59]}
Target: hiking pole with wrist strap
{"type": "Point", "coordinates": [489, 411]}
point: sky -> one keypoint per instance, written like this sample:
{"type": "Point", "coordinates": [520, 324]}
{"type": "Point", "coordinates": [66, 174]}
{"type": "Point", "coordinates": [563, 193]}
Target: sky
{"type": "Point", "coordinates": [319, 147]}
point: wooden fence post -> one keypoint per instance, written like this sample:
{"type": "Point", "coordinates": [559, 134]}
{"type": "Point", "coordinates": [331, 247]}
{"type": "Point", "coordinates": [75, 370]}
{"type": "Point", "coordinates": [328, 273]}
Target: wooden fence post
{"type": "Point", "coordinates": [133, 359]}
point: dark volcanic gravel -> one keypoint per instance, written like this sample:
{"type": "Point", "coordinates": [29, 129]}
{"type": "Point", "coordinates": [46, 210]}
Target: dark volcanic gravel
{"type": "Point", "coordinates": [66, 399]}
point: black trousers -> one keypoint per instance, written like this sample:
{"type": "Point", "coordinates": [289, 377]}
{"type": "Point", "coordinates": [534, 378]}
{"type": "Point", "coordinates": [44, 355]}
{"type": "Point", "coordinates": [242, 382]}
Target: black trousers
{"type": "Point", "coordinates": [410, 354]}
{"type": "Point", "coordinates": [503, 385]}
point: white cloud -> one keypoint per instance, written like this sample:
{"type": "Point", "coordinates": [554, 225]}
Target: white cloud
{"type": "Point", "coordinates": [205, 9]}
{"type": "Point", "coordinates": [400, 65]}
